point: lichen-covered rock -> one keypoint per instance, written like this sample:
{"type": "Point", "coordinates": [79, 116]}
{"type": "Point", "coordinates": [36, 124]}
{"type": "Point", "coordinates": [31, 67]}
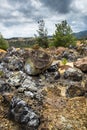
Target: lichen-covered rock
{"type": "Point", "coordinates": [23, 114]}
{"type": "Point", "coordinates": [81, 64]}
{"type": "Point", "coordinates": [29, 84]}
{"type": "Point", "coordinates": [15, 78]}
{"type": "Point", "coordinates": [73, 74]}
{"type": "Point", "coordinates": [13, 62]}
{"type": "Point", "coordinates": [37, 62]}
{"type": "Point", "coordinates": [69, 54]}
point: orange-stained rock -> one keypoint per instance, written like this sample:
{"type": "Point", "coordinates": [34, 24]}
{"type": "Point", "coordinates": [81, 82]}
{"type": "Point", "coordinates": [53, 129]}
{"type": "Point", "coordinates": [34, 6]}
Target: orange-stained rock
{"type": "Point", "coordinates": [81, 64]}
{"type": "Point", "coordinates": [2, 51]}
{"type": "Point", "coordinates": [59, 50]}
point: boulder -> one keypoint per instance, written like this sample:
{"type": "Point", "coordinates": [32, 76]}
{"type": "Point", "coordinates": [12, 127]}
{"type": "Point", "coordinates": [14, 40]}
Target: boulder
{"type": "Point", "coordinates": [73, 74]}
{"type": "Point", "coordinates": [37, 62]}
{"type": "Point", "coordinates": [81, 64]}
{"type": "Point", "coordinates": [23, 114]}
{"type": "Point", "coordinates": [15, 78]}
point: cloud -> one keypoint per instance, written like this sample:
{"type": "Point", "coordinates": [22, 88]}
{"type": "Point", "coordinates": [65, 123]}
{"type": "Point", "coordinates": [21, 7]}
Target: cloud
{"type": "Point", "coordinates": [19, 17]}
{"type": "Point", "coordinates": [60, 6]}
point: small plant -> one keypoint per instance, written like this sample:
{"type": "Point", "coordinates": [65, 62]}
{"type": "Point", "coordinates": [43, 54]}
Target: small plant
{"type": "Point", "coordinates": [1, 73]}
{"type": "Point", "coordinates": [64, 61]}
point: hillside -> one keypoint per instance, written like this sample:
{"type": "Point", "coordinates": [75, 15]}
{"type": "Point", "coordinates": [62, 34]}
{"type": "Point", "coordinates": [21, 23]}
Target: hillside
{"type": "Point", "coordinates": [21, 41]}
{"type": "Point", "coordinates": [81, 34]}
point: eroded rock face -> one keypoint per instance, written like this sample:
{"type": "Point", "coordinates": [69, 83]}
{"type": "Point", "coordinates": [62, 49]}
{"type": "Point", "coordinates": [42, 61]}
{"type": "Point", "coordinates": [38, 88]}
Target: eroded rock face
{"type": "Point", "coordinates": [37, 62]}
{"type": "Point", "coordinates": [73, 74]}
{"type": "Point", "coordinates": [81, 64]}
{"type": "Point", "coordinates": [23, 114]}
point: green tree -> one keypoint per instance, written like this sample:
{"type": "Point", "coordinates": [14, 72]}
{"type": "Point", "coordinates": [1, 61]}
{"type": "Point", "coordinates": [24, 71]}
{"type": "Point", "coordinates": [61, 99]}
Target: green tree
{"type": "Point", "coordinates": [42, 39]}
{"type": "Point", "coordinates": [63, 35]}
{"type": "Point", "coordinates": [3, 43]}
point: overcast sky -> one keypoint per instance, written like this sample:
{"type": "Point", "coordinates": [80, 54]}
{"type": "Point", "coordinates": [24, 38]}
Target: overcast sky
{"type": "Point", "coordinates": [18, 18]}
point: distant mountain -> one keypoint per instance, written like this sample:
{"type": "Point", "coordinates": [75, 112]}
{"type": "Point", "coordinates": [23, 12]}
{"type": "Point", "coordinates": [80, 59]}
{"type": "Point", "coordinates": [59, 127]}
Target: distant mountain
{"type": "Point", "coordinates": [80, 35]}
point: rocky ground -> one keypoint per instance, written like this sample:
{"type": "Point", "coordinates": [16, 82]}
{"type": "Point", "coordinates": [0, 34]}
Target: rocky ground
{"type": "Point", "coordinates": [41, 90]}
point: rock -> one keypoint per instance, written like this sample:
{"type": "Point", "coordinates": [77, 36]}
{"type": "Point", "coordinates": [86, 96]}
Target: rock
{"type": "Point", "coordinates": [4, 87]}
{"type": "Point", "coordinates": [82, 49]}
{"type": "Point", "coordinates": [81, 64]}
{"type": "Point", "coordinates": [60, 50]}
{"type": "Point", "coordinates": [2, 54]}
{"type": "Point", "coordinates": [15, 78]}
{"type": "Point", "coordinates": [7, 96]}
{"type": "Point", "coordinates": [37, 62]}
{"type": "Point", "coordinates": [23, 114]}
{"type": "Point", "coordinates": [11, 51]}
{"type": "Point", "coordinates": [29, 84]}
{"type": "Point", "coordinates": [69, 54]}
{"type": "Point", "coordinates": [57, 75]}
{"type": "Point", "coordinates": [29, 94]}
{"type": "Point", "coordinates": [14, 63]}
{"type": "Point", "coordinates": [63, 68]}
{"type": "Point", "coordinates": [75, 90]}
{"type": "Point", "coordinates": [73, 74]}
{"type": "Point", "coordinates": [53, 68]}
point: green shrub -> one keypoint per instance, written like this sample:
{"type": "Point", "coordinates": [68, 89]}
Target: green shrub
{"type": "Point", "coordinates": [63, 35]}
{"type": "Point", "coordinates": [3, 43]}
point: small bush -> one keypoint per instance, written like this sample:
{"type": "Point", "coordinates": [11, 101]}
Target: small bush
{"type": "Point", "coordinates": [63, 35]}
{"type": "Point", "coordinates": [3, 43]}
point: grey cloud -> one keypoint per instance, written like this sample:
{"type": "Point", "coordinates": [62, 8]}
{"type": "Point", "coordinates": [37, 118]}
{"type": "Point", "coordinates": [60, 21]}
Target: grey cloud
{"type": "Point", "coordinates": [21, 13]}
{"type": "Point", "coordinates": [24, 8]}
{"type": "Point", "coordinates": [61, 6]}
{"type": "Point", "coordinates": [85, 19]}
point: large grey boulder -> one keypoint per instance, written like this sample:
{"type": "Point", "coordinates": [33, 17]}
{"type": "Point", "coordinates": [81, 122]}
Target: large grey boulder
{"type": "Point", "coordinates": [22, 113]}
{"type": "Point", "coordinates": [73, 74]}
